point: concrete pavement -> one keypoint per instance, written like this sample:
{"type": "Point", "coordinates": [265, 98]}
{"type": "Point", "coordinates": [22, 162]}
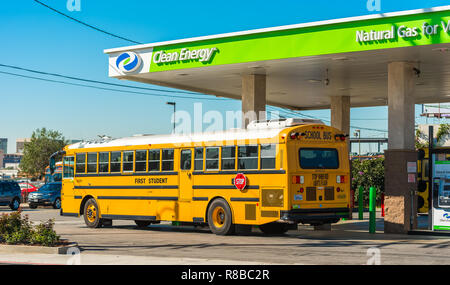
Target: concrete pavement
{"type": "Point", "coordinates": [348, 243]}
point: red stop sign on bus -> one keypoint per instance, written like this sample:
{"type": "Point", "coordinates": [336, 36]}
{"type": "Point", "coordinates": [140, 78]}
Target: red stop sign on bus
{"type": "Point", "coordinates": [240, 181]}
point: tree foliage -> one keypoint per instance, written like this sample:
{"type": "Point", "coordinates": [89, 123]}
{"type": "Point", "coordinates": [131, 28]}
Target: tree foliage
{"type": "Point", "coordinates": [38, 150]}
{"type": "Point", "coordinates": [442, 135]}
{"type": "Point", "coordinates": [368, 173]}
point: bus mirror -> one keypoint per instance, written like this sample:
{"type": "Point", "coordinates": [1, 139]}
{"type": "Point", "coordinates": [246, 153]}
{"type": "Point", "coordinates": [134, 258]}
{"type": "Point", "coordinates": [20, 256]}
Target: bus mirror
{"type": "Point", "coordinates": [52, 165]}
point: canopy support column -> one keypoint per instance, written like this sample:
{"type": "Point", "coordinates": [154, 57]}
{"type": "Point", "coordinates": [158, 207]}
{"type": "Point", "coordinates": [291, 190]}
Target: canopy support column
{"type": "Point", "coordinates": [399, 182]}
{"type": "Point", "coordinates": [340, 114]}
{"type": "Point", "coordinates": [253, 98]}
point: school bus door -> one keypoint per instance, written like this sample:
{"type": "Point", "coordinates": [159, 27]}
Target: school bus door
{"type": "Point", "coordinates": [186, 182]}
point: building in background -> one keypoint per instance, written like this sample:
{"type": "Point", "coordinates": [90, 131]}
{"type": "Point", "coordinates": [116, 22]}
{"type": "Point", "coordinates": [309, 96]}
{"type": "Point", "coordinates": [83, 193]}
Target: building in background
{"type": "Point", "coordinates": [12, 160]}
{"type": "Point", "coordinates": [2, 154]}
{"type": "Point", "coordinates": [20, 145]}
{"type": "Point", "coordinates": [4, 145]}
{"type": "Point", "coordinates": [439, 110]}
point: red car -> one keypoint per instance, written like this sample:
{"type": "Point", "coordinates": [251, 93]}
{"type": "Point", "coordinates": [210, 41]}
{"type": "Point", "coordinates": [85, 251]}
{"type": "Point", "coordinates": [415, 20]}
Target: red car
{"type": "Point", "coordinates": [26, 188]}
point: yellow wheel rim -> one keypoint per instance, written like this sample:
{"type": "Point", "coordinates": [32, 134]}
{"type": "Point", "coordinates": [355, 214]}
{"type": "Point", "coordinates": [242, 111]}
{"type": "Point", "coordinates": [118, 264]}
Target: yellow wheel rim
{"type": "Point", "coordinates": [91, 213]}
{"type": "Point", "coordinates": [219, 217]}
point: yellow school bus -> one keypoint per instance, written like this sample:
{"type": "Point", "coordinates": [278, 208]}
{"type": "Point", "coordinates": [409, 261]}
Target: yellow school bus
{"type": "Point", "coordinates": [274, 174]}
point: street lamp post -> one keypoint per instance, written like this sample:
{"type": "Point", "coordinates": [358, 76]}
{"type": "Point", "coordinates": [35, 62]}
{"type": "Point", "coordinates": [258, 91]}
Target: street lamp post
{"type": "Point", "coordinates": [174, 112]}
{"type": "Point", "coordinates": [358, 135]}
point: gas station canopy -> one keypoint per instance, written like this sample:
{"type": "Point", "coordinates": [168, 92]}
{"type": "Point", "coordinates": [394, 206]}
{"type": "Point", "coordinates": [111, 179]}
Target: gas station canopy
{"type": "Point", "coordinates": [305, 64]}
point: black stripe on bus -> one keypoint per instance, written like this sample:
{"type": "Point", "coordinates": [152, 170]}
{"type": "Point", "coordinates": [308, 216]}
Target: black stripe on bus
{"type": "Point", "coordinates": [129, 217]}
{"type": "Point", "coordinates": [244, 199]}
{"type": "Point", "coordinates": [129, 187]}
{"type": "Point", "coordinates": [199, 198]}
{"type": "Point", "coordinates": [137, 198]}
{"type": "Point", "coordinates": [129, 174]}
{"type": "Point", "coordinates": [223, 187]}
{"type": "Point", "coordinates": [241, 171]}
{"type": "Point", "coordinates": [69, 214]}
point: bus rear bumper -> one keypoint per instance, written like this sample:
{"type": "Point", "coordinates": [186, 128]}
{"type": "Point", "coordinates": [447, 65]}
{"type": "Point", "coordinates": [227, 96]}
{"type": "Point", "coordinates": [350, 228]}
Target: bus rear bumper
{"type": "Point", "coordinates": [314, 216]}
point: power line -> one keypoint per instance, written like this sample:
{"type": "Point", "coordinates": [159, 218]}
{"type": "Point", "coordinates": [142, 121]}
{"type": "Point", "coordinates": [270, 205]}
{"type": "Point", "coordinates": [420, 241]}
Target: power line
{"type": "Point", "coordinates": [312, 117]}
{"type": "Point", "coordinates": [85, 24]}
{"type": "Point", "coordinates": [109, 89]}
{"type": "Point", "coordinates": [96, 81]}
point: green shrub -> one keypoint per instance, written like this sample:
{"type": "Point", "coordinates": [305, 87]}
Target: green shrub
{"type": "Point", "coordinates": [368, 173]}
{"type": "Point", "coordinates": [44, 234]}
{"type": "Point", "coordinates": [15, 229]}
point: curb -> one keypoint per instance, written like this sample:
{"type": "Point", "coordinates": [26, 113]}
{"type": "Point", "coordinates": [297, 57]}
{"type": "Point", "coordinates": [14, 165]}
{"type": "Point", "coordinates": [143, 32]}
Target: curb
{"type": "Point", "coordinates": [428, 233]}
{"type": "Point", "coordinates": [36, 249]}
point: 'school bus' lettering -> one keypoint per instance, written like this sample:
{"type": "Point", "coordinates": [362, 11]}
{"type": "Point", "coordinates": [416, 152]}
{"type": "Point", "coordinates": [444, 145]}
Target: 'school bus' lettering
{"type": "Point", "coordinates": [149, 180]}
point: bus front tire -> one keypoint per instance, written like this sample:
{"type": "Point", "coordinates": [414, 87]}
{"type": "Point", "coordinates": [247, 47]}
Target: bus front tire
{"type": "Point", "coordinates": [220, 220]}
{"type": "Point", "coordinates": [142, 224]}
{"type": "Point", "coordinates": [274, 228]}
{"type": "Point", "coordinates": [91, 214]}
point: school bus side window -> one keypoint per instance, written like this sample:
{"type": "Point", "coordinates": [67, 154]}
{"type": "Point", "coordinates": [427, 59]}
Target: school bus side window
{"type": "Point", "coordinates": [268, 156]}
{"type": "Point", "coordinates": [103, 162]}
{"type": "Point", "coordinates": [68, 167]}
{"type": "Point", "coordinates": [116, 158]}
{"type": "Point", "coordinates": [92, 162]}
{"type": "Point", "coordinates": [248, 157]}
{"type": "Point", "coordinates": [141, 161]}
{"type": "Point", "coordinates": [81, 163]}
{"type": "Point", "coordinates": [228, 157]}
{"type": "Point", "coordinates": [153, 159]}
{"type": "Point", "coordinates": [167, 159]}
{"type": "Point", "coordinates": [212, 158]}
{"type": "Point", "coordinates": [128, 157]}
{"type": "Point", "coordinates": [198, 158]}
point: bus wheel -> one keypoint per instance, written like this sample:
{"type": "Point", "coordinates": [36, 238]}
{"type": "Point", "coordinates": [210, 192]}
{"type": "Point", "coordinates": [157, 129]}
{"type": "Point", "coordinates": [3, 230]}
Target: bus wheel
{"type": "Point", "coordinates": [274, 228]}
{"type": "Point", "coordinates": [142, 224]}
{"type": "Point", "coordinates": [219, 218]}
{"type": "Point", "coordinates": [91, 214]}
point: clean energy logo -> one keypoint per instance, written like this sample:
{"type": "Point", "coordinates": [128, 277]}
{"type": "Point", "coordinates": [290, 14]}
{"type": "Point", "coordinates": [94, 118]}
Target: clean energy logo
{"type": "Point", "coordinates": [128, 62]}
{"type": "Point", "coordinates": [446, 215]}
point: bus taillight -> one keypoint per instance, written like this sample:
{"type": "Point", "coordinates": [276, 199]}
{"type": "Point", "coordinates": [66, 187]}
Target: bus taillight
{"type": "Point", "coordinates": [340, 178]}
{"type": "Point", "coordinates": [296, 179]}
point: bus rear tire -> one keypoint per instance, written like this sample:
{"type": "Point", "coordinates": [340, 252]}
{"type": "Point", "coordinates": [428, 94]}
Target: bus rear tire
{"type": "Point", "coordinates": [142, 224]}
{"type": "Point", "coordinates": [220, 220]}
{"type": "Point", "coordinates": [274, 228]}
{"type": "Point", "coordinates": [92, 214]}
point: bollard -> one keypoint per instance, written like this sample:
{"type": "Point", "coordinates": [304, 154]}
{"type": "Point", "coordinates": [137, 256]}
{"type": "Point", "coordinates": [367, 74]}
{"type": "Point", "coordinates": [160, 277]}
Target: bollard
{"type": "Point", "coordinates": [360, 203]}
{"type": "Point", "coordinates": [382, 205]}
{"type": "Point", "coordinates": [372, 209]}
{"type": "Point", "coordinates": [352, 204]}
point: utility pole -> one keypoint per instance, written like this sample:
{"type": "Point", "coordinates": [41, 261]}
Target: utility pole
{"type": "Point", "coordinates": [174, 112]}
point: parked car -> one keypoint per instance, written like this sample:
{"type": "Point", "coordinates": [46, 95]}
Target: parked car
{"type": "Point", "coordinates": [47, 195]}
{"type": "Point", "coordinates": [10, 194]}
{"type": "Point", "coordinates": [26, 188]}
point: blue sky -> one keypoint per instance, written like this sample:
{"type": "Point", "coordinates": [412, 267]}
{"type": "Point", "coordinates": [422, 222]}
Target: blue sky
{"type": "Point", "coordinates": [37, 38]}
